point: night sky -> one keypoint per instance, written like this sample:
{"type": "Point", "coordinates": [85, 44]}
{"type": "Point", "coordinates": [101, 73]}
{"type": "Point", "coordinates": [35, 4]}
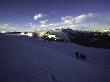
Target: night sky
{"type": "Point", "coordinates": [21, 12]}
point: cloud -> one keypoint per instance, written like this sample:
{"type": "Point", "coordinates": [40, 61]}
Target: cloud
{"type": "Point", "coordinates": [43, 22]}
{"type": "Point", "coordinates": [67, 19]}
{"type": "Point", "coordinates": [80, 18]}
{"type": "Point", "coordinates": [87, 21]}
{"type": "Point", "coordinates": [7, 27]}
{"type": "Point", "coordinates": [31, 25]}
{"type": "Point", "coordinates": [77, 19]}
{"type": "Point", "coordinates": [83, 21]}
{"type": "Point", "coordinates": [91, 18]}
{"type": "Point", "coordinates": [39, 16]}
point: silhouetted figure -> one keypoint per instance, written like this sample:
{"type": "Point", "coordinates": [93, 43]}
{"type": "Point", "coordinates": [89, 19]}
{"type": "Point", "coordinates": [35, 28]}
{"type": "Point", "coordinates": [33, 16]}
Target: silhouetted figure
{"type": "Point", "coordinates": [80, 56]}
{"type": "Point", "coordinates": [77, 55]}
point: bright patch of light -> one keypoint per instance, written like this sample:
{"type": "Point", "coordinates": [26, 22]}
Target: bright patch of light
{"type": "Point", "coordinates": [3, 31]}
{"type": "Point", "coordinates": [26, 34]}
{"type": "Point", "coordinates": [52, 36]}
{"type": "Point", "coordinates": [29, 34]}
{"type": "Point", "coordinates": [42, 33]}
{"type": "Point", "coordinates": [22, 33]}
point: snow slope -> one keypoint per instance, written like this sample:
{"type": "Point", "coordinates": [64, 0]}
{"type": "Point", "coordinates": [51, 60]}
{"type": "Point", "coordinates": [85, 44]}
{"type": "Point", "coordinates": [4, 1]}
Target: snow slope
{"type": "Point", "coordinates": [23, 60]}
{"type": "Point", "coordinates": [96, 56]}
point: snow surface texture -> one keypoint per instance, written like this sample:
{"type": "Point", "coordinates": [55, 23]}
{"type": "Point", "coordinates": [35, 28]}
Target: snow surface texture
{"type": "Point", "coordinates": [24, 59]}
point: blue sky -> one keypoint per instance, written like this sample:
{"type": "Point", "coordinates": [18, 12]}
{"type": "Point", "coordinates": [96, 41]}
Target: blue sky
{"type": "Point", "coordinates": [22, 12]}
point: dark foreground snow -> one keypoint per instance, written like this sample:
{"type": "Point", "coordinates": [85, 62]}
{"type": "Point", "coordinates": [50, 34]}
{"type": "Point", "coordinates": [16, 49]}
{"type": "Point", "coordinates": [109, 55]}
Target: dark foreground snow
{"type": "Point", "coordinates": [23, 60]}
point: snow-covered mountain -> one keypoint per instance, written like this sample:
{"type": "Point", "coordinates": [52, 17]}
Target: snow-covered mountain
{"type": "Point", "coordinates": [27, 59]}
